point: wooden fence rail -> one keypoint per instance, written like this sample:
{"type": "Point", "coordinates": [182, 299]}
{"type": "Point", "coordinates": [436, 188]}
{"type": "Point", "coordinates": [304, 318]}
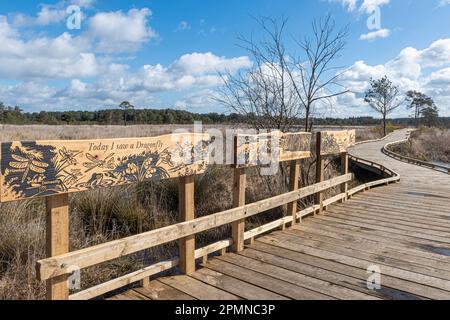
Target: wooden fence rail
{"type": "Point", "coordinates": [387, 150]}
{"type": "Point", "coordinates": [135, 166]}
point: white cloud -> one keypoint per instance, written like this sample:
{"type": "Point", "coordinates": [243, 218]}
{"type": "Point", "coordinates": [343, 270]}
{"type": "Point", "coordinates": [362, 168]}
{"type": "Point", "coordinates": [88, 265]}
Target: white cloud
{"type": "Point", "coordinates": [50, 13]}
{"type": "Point", "coordinates": [437, 54]}
{"type": "Point", "coordinates": [118, 31]}
{"type": "Point", "coordinates": [369, 5]}
{"type": "Point", "coordinates": [382, 33]}
{"type": "Point", "coordinates": [115, 83]}
{"type": "Point", "coordinates": [443, 3]}
{"type": "Point", "coordinates": [202, 100]}
{"type": "Point", "coordinates": [412, 69]}
{"type": "Point", "coordinates": [364, 6]}
{"type": "Point", "coordinates": [198, 63]}
{"type": "Point", "coordinates": [42, 57]}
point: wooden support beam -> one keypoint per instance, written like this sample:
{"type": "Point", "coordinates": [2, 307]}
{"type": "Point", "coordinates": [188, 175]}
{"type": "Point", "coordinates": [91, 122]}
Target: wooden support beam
{"type": "Point", "coordinates": [319, 171]}
{"type": "Point", "coordinates": [186, 212]}
{"type": "Point", "coordinates": [344, 170]}
{"type": "Point", "coordinates": [57, 234]}
{"type": "Point", "coordinates": [145, 282]}
{"type": "Point", "coordinates": [294, 177]}
{"type": "Point", "coordinates": [238, 227]}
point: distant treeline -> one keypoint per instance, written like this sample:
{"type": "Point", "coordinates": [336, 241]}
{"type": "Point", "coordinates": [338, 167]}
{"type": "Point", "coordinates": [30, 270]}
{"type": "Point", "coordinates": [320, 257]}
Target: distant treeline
{"type": "Point", "coordinates": [14, 115]}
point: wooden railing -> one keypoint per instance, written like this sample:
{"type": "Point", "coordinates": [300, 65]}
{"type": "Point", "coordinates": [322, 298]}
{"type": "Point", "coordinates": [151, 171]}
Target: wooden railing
{"type": "Point", "coordinates": [61, 263]}
{"type": "Point", "coordinates": [390, 175]}
{"type": "Point", "coordinates": [387, 150]}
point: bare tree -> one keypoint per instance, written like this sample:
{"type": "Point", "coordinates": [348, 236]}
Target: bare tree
{"type": "Point", "coordinates": [383, 97]}
{"type": "Point", "coordinates": [281, 87]}
{"type": "Point", "coordinates": [263, 93]}
{"type": "Point", "coordinates": [316, 80]}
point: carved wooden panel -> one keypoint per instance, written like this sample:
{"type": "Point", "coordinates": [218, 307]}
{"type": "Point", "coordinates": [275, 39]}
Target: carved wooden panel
{"type": "Point", "coordinates": [266, 148]}
{"type": "Point", "coordinates": [42, 168]}
{"type": "Point", "coordinates": [335, 142]}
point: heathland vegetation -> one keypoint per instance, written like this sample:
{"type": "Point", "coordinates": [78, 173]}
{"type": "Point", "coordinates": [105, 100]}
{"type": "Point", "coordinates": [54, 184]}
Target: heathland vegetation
{"type": "Point", "coordinates": [427, 144]}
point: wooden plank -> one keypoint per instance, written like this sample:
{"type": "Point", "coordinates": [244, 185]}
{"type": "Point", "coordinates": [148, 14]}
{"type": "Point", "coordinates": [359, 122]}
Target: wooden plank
{"type": "Point", "coordinates": [321, 222]}
{"type": "Point", "coordinates": [57, 234]}
{"type": "Point", "coordinates": [267, 227]}
{"type": "Point", "coordinates": [422, 274]}
{"type": "Point", "coordinates": [123, 281]}
{"type": "Point", "coordinates": [157, 290]}
{"type": "Point", "coordinates": [267, 282]}
{"type": "Point", "coordinates": [386, 202]}
{"type": "Point", "coordinates": [144, 273]}
{"type": "Point", "coordinates": [214, 247]}
{"type": "Point", "coordinates": [134, 295]}
{"type": "Point", "coordinates": [43, 168]}
{"type": "Point", "coordinates": [197, 289]}
{"type": "Point", "coordinates": [238, 227]}
{"type": "Point", "coordinates": [335, 142]}
{"type": "Point", "coordinates": [348, 260]}
{"type": "Point", "coordinates": [363, 238]}
{"type": "Point", "coordinates": [396, 213]}
{"type": "Point", "coordinates": [393, 219]}
{"type": "Point", "coordinates": [268, 148]}
{"type": "Point", "coordinates": [123, 296]}
{"type": "Point", "coordinates": [391, 286]}
{"type": "Point", "coordinates": [391, 223]}
{"type": "Point", "coordinates": [389, 228]}
{"type": "Point", "coordinates": [335, 278]}
{"type": "Point", "coordinates": [299, 279]}
{"type": "Point", "coordinates": [392, 206]}
{"type": "Point", "coordinates": [294, 177]}
{"type": "Point", "coordinates": [186, 212]}
{"type": "Point", "coordinates": [377, 249]}
{"type": "Point", "coordinates": [234, 286]}
{"type": "Point", "coordinates": [55, 266]}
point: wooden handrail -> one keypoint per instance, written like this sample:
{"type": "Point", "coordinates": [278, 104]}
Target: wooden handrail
{"type": "Point", "coordinates": [410, 160]}
{"type": "Point", "coordinates": [65, 264]}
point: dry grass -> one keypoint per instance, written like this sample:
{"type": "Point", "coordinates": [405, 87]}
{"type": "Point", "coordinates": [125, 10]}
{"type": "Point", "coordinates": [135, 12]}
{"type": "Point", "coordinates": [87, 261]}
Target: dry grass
{"type": "Point", "coordinates": [106, 214]}
{"type": "Point", "coordinates": [427, 145]}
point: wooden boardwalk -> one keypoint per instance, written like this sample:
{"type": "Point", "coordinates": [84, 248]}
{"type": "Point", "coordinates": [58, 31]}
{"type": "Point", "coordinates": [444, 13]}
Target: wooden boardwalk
{"type": "Point", "coordinates": [403, 229]}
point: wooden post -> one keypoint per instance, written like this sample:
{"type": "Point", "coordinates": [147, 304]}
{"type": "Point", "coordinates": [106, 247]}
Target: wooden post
{"type": "Point", "coordinates": [319, 170]}
{"type": "Point", "coordinates": [294, 176]}
{"type": "Point", "coordinates": [57, 234]}
{"type": "Point", "coordinates": [186, 211]}
{"type": "Point", "coordinates": [145, 282]}
{"type": "Point", "coordinates": [238, 227]}
{"type": "Point", "coordinates": [344, 170]}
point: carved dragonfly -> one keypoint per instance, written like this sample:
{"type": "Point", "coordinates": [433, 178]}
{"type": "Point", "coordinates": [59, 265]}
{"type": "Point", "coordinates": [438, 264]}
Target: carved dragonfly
{"type": "Point", "coordinates": [107, 163]}
{"type": "Point", "coordinates": [26, 164]}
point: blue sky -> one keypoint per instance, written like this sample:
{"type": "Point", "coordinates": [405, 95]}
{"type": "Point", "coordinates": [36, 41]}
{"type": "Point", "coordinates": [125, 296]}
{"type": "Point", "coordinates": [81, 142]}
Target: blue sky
{"type": "Point", "coordinates": [160, 53]}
